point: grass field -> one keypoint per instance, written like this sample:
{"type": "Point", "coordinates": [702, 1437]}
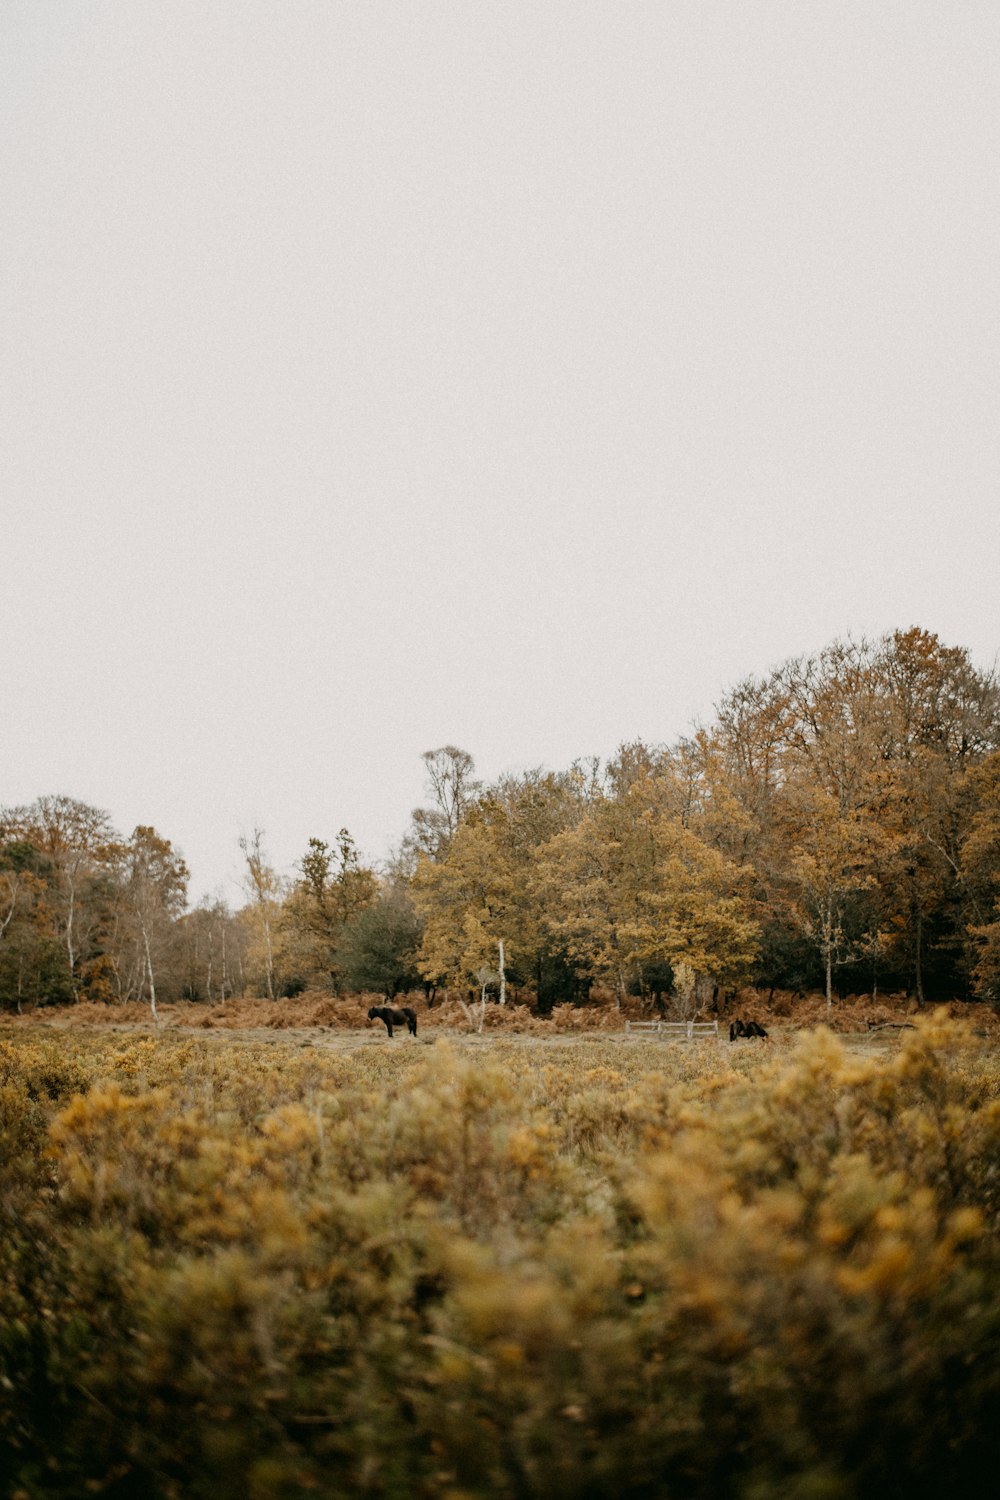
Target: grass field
{"type": "Point", "coordinates": [280, 1263]}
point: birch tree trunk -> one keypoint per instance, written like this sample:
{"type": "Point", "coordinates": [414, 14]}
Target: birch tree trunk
{"type": "Point", "coordinates": [918, 969]}
{"type": "Point", "coordinates": [475, 1014]}
{"type": "Point", "coordinates": [70, 952]}
{"type": "Point", "coordinates": [264, 887]}
{"type": "Point", "coordinates": [149, 971]}
{"type": "Point", "coordinates": [12, 885]}
{"type": "Point", "coordinates": [826, 931]}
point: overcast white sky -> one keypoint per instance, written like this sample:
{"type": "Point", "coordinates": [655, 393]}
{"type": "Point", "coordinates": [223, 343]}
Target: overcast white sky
{"type": "Point", "coordinates": [516, 375]}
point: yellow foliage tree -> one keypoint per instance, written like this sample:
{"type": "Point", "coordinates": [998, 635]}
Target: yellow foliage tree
{"type": "Point", "coordinates": [468, 904]}
{"type": "Point", "coordinates": [628, 886]}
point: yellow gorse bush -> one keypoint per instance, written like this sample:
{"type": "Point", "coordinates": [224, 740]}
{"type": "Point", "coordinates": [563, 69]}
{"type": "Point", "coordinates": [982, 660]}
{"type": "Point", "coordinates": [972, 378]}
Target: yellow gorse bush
{"type": "Point", "coordinates": [577, 1269]}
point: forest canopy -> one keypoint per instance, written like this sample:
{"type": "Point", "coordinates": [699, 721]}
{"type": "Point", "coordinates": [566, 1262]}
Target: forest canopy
{"type": "Point", "coordinates": [836, 826]}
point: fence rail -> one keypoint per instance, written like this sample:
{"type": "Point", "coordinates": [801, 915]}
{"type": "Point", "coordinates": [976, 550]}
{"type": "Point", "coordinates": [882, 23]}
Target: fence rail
{"type": "Point", "coordinates": [683, 1031]}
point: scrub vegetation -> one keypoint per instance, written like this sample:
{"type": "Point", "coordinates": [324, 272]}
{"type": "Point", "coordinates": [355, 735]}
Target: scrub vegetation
{"type": "Point", "coordinates": [497, 1266]}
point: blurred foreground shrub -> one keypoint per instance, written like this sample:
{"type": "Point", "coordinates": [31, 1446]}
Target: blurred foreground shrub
{"type": "Point", "coordinates": [576, 1270]}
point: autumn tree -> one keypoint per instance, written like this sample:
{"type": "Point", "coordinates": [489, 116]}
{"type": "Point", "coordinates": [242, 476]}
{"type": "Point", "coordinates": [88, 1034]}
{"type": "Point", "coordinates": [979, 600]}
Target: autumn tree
{"type": "Point", "coordinates": [980, 869]}
{"type": "Point", "coordinates": [333, 888]}
{"type": "Point", "coordinates": [850, 766]}
{"type": "Point", "coordinates": [263, 886]}
{"type": "Point", "coordinates": [211, 948]}
{"type": "Point", "coordinates": [944, 719]}
{"type": "Point", "coordinates": [155, 886]}
{"type": "Point", "coordinates": [33, 964]}
{"type": "Point", "coordinates": [695, 913]}
{"type": "Point", "coordinates": [88, 914]}
{"type": "Point", "coordinates": [477, 899]}
{"type": "Point", "coordinates": [589, 881]}
{"type": "Point", "coordinates": [830, 863]}
{"type": "Point", "coordinates": [452, 789]}
{"type": "Point", "coordinates": [465, 901]}
{"type": "Point", "coordinates": [630, 885]}
{"type": "Point", "coordinates": [377, 946]}
{"type": "Point", "coordinates": [77, 843]}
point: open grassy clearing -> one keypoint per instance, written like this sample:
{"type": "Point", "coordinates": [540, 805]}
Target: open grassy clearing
{"type": "Point", "coordinates": [296, 1032]}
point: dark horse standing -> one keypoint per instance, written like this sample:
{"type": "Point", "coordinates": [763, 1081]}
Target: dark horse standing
{"type": "Point", "coordinates": [746, 1028]}
{"type": "Point", "coordinates": [405, 1017]}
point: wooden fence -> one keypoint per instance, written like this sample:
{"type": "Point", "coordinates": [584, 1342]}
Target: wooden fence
{"type": "Point", "coordinates": [678, 1031]}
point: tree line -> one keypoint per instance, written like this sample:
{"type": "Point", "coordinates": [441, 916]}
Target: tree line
{"type": "Point", "coordinates": [836, 825]}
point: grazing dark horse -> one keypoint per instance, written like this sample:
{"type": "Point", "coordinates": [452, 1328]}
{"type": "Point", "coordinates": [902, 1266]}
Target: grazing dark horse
{"type": "Point", "coordinates": [405, 1017]}
{"type": "Point", "coordinates": [746, 1028]}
